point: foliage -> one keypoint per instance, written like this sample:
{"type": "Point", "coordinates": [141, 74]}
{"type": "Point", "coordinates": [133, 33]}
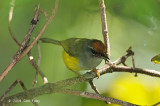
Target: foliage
{"type": "Point", "coordinates": [156, 59]}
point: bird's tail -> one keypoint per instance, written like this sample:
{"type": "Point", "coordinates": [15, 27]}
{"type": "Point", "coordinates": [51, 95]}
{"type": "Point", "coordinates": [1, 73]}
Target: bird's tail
{"type": "Point", "coordinates": [48, 40]}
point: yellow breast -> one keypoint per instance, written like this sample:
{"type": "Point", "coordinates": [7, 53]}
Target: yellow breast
{"type": "Point", "coordinates": [70, 61]}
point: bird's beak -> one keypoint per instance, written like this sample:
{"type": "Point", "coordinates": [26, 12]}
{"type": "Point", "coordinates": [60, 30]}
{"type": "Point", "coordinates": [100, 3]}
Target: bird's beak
{"type": "Point", "coordinates": [104, 55]}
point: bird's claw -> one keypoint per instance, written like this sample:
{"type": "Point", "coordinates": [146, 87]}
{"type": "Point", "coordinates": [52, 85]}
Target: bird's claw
{"type": "Point", "coordinates": [97, 73]}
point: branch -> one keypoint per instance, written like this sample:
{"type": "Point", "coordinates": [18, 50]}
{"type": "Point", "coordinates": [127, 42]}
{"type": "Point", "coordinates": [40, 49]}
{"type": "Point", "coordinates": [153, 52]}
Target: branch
{"type": "Point", "coordinates": [24, 43]}
{"type": "Point", "coordinates": [156, 104]}
{"type": "Point", "coordinates": [93, 86]}
{"type": "Point", "coordinates": [28, 35]}
{"type": "Point", "coordinates": [20, 54]}
{"type": "Point", "coordinates": [10, 20]}
{"type": "Point", "coordinates": [104, 26]}
{"type": "Point", "coordinates": [12, 86]}
{"type": "Point", "coordinates": [39, 62]}
{"type": "Point", "coordinates": [27, 38]}
{"type": "Point", "coordinates": [51, 87]}
{"type": "Point", "coordinates": [124, 58]}
{"type": "Point", "coordinates": [149, 72]}
{"type": "Point", "coordinates": [38, 70]}
{"type": "Point", "coordinates": [96, 96]}
{"type": "Point", "coordinates": [58, 86]}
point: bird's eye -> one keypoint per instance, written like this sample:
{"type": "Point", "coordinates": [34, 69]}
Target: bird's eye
{"type": "Point", "coordinates": [93, 51]}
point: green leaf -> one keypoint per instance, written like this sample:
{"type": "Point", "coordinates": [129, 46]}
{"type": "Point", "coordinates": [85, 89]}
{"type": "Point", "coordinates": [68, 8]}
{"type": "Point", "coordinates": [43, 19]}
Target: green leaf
{"type": "Point", "coordinates": [156, 59]}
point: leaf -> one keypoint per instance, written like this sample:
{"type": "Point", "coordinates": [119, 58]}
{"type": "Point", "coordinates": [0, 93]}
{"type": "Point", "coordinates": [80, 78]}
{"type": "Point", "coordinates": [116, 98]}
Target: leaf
{"type": "Point", "coordinates": [156, 59]}
{"type": "Point", "coordinates": [143, 91]}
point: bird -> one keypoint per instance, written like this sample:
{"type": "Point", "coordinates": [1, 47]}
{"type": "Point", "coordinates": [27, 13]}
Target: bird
{"type": "Point", "coordinates": [81, 53]}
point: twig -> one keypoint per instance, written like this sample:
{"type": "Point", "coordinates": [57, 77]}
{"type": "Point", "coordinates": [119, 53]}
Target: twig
{"type": "Point", "coordinates": [31, 28]}
{"type": "Point", "coordinates": [12, 86]}
{"type": "Point", "coordinates": [133, 62]}
{"type": "Point", "coordinates": [35, 80]}
{"type": "Point", "coordinates": [156, 104]}
{"type": "Point", "coordinates": [96, 96]}
{"type": "Point", "coordinates": [40, 33]}
{"type": "Point", "coordinates": [104, 26]}
{"type": "Point", "coordinates": [55, 87]}
{"type": "Point", "coordinates": [23, 45]}
{"type": "Point", "coordinates": [18, 57]}
{"type": "Point", "coordinates": [93, 86]}
{"type": "Point", "coordinates": [39, 54]}
{"type": "Point", "coordinates": [26, 39]}
{"type": "Point", "coordinates": [123, 58]}
{"type": "Point", "coordinates": [149, 72]}
{"type": "Point", "coordinates": [33, 63]}
{"type": "Point", "coordinates": [107, 68]}
{"type": "Point", "coordinates": [9, 22]}
{"type": "Point", "coordinates": [39, 62]}
{"type": "Point", "coordinates": [45, 13]}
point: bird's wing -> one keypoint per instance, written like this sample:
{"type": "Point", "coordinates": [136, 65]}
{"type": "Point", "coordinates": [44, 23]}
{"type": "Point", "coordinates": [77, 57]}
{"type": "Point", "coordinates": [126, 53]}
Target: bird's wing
{"type": "Point", "coordinates": [73, 46]}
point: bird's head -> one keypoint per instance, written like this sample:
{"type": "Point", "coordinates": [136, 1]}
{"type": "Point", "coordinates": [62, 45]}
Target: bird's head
{"type": "Point", "coordinates": [98, 49]}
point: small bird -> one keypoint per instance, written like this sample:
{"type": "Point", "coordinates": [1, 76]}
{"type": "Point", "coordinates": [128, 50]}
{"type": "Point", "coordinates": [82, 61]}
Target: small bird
{"type": "Point", "coordinates": [81, 53]}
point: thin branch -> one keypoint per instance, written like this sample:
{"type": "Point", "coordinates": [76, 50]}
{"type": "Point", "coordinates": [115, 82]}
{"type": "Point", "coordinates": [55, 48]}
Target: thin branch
{"type": "Point", "coordinates": [31, 28]}
{"type": "Point", "coordinates": [107, 68]}
{"type": "Point", "coordinates": [35, 80]}
{"type": "Point", "coordinates": [149, 72]}
{"type": "Point", "coordinates": [39, 54]}
{"type": "Point", "coordinates": [133, 62]}
{"type": "Point", "coordinates": [104, 26]}
{"type": "Point", "coordinates": [20, 55]}
{"type": "Point", "coordinates": [156, 104]}
{"type": "Point", "coordinates": [12, 86]}
{"type": "Point", "coordinates": [96, 96]}
{"type": "Point", "coordinates": [33, 63]}
{"type": "Point", "coordinates": [9, 22]}
{"type": "Point", "coordinates": [122, 59]}
{"type": "Point", "coordinates": [45, 13]}
{"type": "Point", "coordinates": [40, 33]}
{"type": "Point", "coordinates": [39, 62]}
{"type": "Point", "coordinates": [27, 37]}
{"type": "Point", "coordinates": [55, 87]}
{"type": "Point", "coordinates": [23, 45]}
{"type": "Point", "coordinates": [93, 86]}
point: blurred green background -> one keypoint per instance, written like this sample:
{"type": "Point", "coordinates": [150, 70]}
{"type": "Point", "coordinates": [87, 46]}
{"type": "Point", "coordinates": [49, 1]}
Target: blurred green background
{"type": "Point", "coordinates": [133, 23]}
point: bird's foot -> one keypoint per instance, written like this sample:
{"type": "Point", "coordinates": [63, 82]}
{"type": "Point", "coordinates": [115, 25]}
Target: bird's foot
{"type": "Point", "coordinates": [97, 73]}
